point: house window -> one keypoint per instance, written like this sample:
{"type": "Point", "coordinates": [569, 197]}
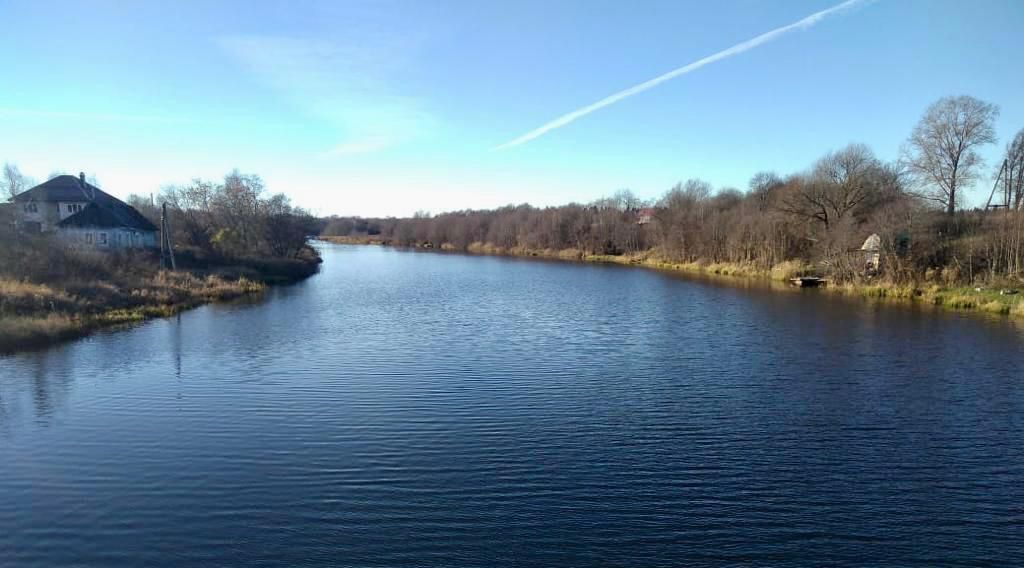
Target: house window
{"type": "Point", "coordinates": [31, 208]}
{"type": "Point", "coordinates": [102, 239]}
{"type": "Point", "coordinates": [88, 238]}
{"type": "Point", "coordinates": [75, 207]}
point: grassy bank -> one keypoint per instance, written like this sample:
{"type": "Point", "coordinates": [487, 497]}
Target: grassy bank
{"type": "Point", "coordinates": [35, 315]}
{"type": "Point", "coordinates": [49, 294]}
{"type": "Point", "coordinates": [355, 240]}
{"type": "Point", "coordinates": [986, 299]}
{"type": "Point", "coordinates": [964, 298]}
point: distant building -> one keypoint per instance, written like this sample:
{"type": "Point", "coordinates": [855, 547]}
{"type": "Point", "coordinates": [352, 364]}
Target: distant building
{"type": "Point", "coordinates": [83, 215]}
{"type": "Point", "coordinates": [645, 215]}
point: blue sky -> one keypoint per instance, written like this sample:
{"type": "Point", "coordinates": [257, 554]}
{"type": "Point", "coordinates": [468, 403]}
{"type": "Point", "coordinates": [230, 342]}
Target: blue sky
{"type": "Point", "coordinates": [386, 108]}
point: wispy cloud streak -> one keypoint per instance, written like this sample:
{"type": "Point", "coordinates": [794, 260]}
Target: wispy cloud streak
{"type": "Point", "coordinates": [351, 87]}
{"type": "Point", "coordinates": [747, 45]}
{"type": "Point", "coordinates": [106, 117]}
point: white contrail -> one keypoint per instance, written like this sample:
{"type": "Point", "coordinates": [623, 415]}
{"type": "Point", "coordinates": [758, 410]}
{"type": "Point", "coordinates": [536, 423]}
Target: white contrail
{"type": "Point", "coordinates": [734, 50]}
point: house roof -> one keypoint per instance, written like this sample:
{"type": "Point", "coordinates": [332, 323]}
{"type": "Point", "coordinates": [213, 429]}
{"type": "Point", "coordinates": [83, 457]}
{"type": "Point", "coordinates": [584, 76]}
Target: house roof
{"type": "Point", "coordinates": [110, 215]}
{"type": "Point", "coordinates": [63, 188]}
{"type": "Point", "coordinates": [104, 210]}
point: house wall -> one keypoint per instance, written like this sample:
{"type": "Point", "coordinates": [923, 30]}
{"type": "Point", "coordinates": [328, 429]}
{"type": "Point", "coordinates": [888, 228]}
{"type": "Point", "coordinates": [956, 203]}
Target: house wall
{"type": "Point", "coordinates": [47, 214]}
{"type": "Point", "coordinates": [66, 209]}
{"type": "Point", "coordinates": [35, 213]}
{"type": "Point", "coordinates": [7, 215]}
{"type": "Point", "coordinates": [104, 238]}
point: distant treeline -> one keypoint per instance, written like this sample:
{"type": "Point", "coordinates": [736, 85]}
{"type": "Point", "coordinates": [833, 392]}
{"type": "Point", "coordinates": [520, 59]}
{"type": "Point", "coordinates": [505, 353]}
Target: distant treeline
{"type": "Point", "coordinates": [821, 216]}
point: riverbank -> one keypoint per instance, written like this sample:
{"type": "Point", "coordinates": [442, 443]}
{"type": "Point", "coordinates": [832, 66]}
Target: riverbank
{"type": "Point", "coordinates": [88, 292]}
{"type": "Point", "coordinates": [992, 300]}
{"type": "Point", "coordinates": [962, 298]}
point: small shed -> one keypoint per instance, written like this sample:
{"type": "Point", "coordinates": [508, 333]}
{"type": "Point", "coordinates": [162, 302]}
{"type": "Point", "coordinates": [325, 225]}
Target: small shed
{"type": "Point", "coordinates": [872, 249]}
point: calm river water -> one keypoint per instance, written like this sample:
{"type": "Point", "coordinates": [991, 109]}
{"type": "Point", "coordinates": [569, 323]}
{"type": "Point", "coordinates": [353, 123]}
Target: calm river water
{"type": "Point", "coordinates": [415, 409]}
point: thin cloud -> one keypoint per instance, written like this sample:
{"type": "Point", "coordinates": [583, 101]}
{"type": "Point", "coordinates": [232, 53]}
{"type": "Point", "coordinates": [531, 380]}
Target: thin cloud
{"type": "Point", "coordinates": [105, 117]}
{"type": "Point", "coordinates": [349, 87]}
{"type": "Point", "coordinates": [363, 146]}
{"type": "Point", "coordinates": [747, 45]}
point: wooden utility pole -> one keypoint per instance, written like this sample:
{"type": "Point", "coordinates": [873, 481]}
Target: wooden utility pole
{"type": "Point", "coordinates": [166, 246]}
{"type": "Point", "coordinates": [1006, 201]}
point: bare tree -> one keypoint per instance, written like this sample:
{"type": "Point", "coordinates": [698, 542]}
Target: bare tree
{"type": "Point", "coordinates": [763, 186]}
{"type": "Point", "coordinates": [854, 180]}
{"type": "Point", "coordinates": [13, 181]}
{"type": "Point", "coordinates": [234, 219]}
{"type": "Point", "coordinates": [237, 205]}
{"type": "Point", "coordinates": [807, 197]}
{"type": "Point", "coordinates": [626, 200]}
{"type": "Point", "coordinates": [941, 153]}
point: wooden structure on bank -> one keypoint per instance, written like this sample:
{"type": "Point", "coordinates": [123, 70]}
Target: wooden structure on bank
{"type": "Point", "coordinates": [808, 281]}
{"type": "Point", "coordinates": [872, 250]}
{"type": "Point", "coordinates": [1007, 190]}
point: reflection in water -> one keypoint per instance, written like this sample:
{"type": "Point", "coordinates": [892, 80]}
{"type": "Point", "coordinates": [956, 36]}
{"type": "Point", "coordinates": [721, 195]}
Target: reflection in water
{"type": "Point", "coordinates": [418, 409]}
{"type": "Point", "coordinates": [176, 345]}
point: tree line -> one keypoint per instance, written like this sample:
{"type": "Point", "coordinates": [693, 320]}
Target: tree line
{"type": "Point", "coordinates": [820, 216]}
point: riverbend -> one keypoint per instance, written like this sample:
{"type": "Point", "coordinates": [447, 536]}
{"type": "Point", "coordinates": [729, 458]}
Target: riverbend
{"type": "Point", "coordinates": [411, 409]}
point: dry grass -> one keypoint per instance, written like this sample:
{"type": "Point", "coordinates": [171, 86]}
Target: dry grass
{"type": "Point", "coordinates": [22, 289]}
{"type": "Point", "coordinates": [33, 315]}
{"type": "Point", "coordinates": [954, 298]}
{"type": "Point", "coordinates": [786, 270]}
{"type": "Point", "coordinates": [353, 240]}
{"type": "Point", "coordinates": [21, 332]}
{"type": "Point", "coordinates": [485, 248]}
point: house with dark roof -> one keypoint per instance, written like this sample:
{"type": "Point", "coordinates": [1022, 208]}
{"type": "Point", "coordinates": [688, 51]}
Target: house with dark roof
{"type": "Point", "coordinates": [83, 215]}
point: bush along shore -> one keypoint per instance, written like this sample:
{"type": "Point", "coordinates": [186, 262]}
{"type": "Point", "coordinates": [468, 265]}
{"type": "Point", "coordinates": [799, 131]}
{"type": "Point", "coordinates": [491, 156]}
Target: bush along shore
{"type": "Point", "coordinates": [230, 242]}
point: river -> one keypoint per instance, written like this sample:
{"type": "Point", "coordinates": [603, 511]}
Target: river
{"type": "Point", "coordinates": [426, 409]}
